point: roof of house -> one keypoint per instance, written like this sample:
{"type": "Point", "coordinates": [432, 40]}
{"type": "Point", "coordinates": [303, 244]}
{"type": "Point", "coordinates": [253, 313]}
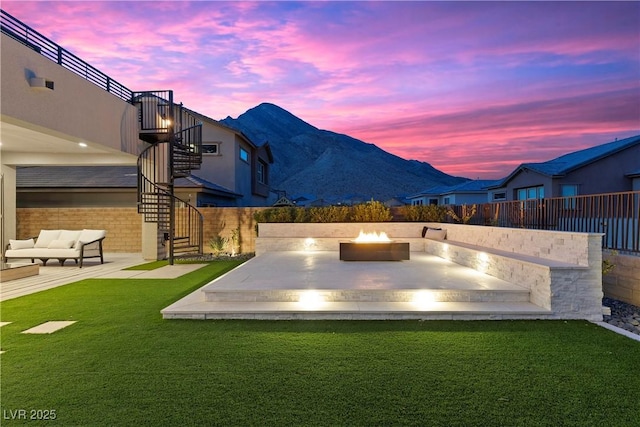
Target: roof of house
{"type": "Point", "coordinates": [100, 177]}
{"type": "Point", "coordinates": [566, 163]}
{"type": "Point", "coordinates": [471, 186]}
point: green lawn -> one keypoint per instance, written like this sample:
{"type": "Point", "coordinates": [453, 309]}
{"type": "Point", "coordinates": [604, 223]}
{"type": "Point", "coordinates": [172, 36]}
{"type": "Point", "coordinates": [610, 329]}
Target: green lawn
{"type": "Point", "coordinates": [122, 364]}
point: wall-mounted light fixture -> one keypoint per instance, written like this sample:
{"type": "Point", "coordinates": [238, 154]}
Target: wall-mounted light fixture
{"type": "Point", "coordinates": [40, 83]}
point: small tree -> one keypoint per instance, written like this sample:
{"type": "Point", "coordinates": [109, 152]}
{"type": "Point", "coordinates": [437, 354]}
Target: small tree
{"type": "Point", "coordinates": [466, 214]}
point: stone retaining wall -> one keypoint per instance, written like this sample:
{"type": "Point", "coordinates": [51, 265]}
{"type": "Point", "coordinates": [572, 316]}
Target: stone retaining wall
{"type": "Point", "coordinates": [623, 282]}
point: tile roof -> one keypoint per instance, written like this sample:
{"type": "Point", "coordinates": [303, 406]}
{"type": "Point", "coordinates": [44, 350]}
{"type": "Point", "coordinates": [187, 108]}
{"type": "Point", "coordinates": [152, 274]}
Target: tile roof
{"type": "Point", "coordinates": [476, 185]}
{"type": "Point", "coordinates": [98, 177]}
{"type": "Point", "coordinates": [571, 161]}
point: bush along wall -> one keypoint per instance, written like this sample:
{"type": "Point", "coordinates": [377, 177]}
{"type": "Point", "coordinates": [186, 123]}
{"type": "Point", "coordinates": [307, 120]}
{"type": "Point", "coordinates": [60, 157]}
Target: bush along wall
{"type": "Point", "coordinates": [372, 211]}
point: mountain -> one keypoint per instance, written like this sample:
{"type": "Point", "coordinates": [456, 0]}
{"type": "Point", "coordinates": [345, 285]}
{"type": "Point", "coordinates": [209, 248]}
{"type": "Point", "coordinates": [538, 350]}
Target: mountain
{"type": "Point", "coordinates": [308, 160]}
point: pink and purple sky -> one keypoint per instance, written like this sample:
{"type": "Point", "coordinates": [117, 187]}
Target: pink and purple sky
{"type": "Point", "coordinates": [474, 88]}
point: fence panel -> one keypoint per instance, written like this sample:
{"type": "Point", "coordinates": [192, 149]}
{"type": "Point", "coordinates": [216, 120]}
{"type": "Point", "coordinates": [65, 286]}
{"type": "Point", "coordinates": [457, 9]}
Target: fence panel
{"type": "Point", "coordinates": [616, 215]}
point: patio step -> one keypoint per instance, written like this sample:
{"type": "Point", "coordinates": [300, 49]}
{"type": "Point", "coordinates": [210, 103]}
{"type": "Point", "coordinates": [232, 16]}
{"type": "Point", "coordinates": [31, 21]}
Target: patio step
{"type": "Point", "coordinates": [204, 310]}
{"type": "Point", "coordinates": [367, 295]}
{"type": "Point", "coordinates": [353, 304]}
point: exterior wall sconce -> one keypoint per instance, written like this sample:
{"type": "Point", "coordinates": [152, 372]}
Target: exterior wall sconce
{"type": "Point", "coordinates": [40, 83]}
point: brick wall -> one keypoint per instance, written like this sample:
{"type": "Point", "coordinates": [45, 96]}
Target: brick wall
{"type": "Point", "coordinates": [623, 282]}
{"type": "Point", "coordinates": [124, 225]}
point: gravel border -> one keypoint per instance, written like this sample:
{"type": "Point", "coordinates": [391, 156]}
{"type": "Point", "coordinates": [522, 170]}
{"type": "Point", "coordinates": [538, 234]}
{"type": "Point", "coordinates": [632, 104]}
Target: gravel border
{"type": "Point", "coordinates": [623, 315]}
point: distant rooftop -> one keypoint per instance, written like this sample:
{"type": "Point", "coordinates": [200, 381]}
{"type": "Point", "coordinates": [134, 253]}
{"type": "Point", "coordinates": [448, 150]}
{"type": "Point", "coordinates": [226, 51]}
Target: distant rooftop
{"type": "Point", "coordinates": [471, 186]}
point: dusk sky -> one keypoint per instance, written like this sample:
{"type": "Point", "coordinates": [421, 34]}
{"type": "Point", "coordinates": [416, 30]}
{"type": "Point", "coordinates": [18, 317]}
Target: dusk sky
{"type": "Point", "coordinates": [474, 88]}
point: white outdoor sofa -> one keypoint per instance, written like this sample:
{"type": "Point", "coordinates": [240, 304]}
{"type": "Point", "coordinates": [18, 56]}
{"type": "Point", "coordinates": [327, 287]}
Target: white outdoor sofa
{"type": "Point", "coordinates": [59, 244]}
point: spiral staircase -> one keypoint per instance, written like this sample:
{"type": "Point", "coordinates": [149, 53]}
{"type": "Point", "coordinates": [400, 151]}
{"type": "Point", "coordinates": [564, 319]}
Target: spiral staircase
{"type": "Point", "coordinates": [175, 149]}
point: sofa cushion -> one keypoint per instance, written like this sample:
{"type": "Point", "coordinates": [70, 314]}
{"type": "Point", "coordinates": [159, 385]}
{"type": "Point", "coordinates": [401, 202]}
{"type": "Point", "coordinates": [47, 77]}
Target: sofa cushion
{"type": "Point", "coordinates": [61, 244]}
{"type": "Point", "coordinates": [45, 237]}
{"type": "Point", "coordinates": [21, 244]}
{"type": "Point", "coordinates": [69, 235]}
{"type": "Point", "coordinates": [87, 236]}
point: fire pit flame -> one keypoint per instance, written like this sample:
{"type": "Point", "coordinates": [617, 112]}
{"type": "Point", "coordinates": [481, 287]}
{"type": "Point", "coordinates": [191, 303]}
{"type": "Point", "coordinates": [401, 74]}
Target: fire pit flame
{"type": "Point", "coordinates": [372, 237]}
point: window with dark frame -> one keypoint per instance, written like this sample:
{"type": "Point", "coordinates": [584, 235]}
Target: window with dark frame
{"type": "Point", "coordinates": [262, 172]}
{"type": "Point", "coordinates": [244, 155]}
{"type": "Point", "coordinates": [212, 148]}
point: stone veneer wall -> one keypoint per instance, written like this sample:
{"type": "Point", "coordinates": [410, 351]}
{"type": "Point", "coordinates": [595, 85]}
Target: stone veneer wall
{"type": "Point", "coordinates": [569, 247]}
{"type": "Point", "coordinates": [623, 282]}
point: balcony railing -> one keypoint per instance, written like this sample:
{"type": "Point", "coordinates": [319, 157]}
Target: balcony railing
{"type": "Point", "coordinates": [29, 37]}
{"type": "Point", "coordinates": [616, 215]}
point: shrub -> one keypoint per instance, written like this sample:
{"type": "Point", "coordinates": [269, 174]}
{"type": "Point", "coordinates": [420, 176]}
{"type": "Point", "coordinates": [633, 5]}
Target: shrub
{"type": "Point", "coordinates": [218, 244]}
{"type": "Point", "coordinates": [372, 211]}
{"type": "Point", "coordinates": [424, 213]}
{"type": "Point", "coordinates": [330, 214]}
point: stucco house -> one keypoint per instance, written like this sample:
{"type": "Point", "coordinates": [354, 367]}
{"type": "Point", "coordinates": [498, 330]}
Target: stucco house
{"type": "Point", "coordinates": [606, 168]}
{"type": "Point", "coordinates": [234, 172]}
{"type": "Point", "coordinates": [59, 111]}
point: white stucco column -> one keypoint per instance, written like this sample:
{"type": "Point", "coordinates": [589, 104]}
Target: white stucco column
{"type": "Point", "coordinates": [152, 248]}
{"type": "Point", "coordinates": [8, 202]}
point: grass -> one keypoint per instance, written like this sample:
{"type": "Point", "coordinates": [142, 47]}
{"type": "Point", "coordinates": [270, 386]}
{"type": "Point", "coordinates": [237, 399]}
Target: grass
{"type": "Point", "coordinates": [149, 265]}
{"type": "Point", "coordinates": [121, 364]}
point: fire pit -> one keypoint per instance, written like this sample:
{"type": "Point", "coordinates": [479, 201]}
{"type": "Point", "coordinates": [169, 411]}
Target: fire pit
{"type": "Point", "coordinates": [373, 247]}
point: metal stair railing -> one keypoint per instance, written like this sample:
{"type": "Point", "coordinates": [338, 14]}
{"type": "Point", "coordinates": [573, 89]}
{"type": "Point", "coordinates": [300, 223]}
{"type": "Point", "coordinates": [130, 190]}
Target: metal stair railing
{"type": "Point", "coordinates": [175, 151]}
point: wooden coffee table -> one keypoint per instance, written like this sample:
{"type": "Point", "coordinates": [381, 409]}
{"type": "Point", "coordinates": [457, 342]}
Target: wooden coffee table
{"type": "Point", "coordinates": [13, 271]}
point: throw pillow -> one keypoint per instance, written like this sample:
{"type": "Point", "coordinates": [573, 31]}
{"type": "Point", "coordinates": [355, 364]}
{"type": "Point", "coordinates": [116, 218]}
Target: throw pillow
{"type": "Point", "coordinates": [436, 234]}
{"type": "Point", "coordinates": [61, 244]}
{"type": "Point", "coordinates": [21, 244]}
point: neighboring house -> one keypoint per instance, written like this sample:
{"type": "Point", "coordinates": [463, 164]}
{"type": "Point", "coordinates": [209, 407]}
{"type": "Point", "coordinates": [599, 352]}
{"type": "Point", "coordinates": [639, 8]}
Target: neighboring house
{"type": "Point", "coordinates": [104, 186]}
{"type": "Point", "coordinates": [468, 192]}
{"type": "Point", "coordinates": [607, 168]}
{"type": "Point", "coordinates": [231, 160]}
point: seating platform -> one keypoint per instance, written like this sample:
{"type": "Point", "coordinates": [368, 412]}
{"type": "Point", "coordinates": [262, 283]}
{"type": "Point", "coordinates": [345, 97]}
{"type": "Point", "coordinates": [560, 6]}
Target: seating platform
{"type": "Point", "coordinates": [317, 285]}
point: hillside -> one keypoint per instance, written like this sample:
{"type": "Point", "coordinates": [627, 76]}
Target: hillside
{"type": "Point", "coordinates": [328, 165]}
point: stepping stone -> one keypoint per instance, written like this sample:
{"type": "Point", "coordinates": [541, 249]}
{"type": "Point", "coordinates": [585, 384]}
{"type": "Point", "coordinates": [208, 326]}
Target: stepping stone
{"type": "Point", "coordinates": [49, 327]}
{"type": "Point", "coordinates": [3, 323]}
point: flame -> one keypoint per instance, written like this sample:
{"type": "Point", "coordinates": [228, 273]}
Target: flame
{"type": "Point", "coordinates": [372, 237]}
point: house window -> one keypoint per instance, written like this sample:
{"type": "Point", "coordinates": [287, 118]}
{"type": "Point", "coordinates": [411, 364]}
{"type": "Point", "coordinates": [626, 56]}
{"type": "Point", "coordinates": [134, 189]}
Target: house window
{"type": "Point", "coordinates": [569, 191]}
{"type": "Point", "coordinates": [433, 201]}
{"type": "Point", "coordinates": [416, 202]}
{"type": "Point", "coordinates": [212, 148]}
{"type": "Point", "coordinates": [447, 201]}
{"type": "Point", "coordinates": [244, 155]}
{"type": "Point", "coordinates": [499, 196]}
{"type": "Point", "coordinates": [262, 172]}
{"type": "Point", "coordinates": [530, 193]}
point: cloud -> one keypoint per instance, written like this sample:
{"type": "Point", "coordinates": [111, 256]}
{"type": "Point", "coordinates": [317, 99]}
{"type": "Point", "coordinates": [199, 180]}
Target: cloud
{"type": "Point", "coordinates": [475, 88]}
